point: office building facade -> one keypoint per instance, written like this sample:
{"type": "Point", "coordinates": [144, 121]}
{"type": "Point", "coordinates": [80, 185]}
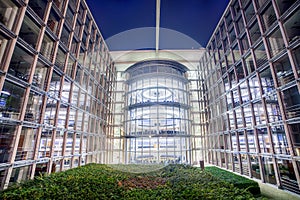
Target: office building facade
{"type": "Point", "coordinates": [56, 89]}
{"type": "Point", "coordinates": [251, 74]}
{"type": "Point", "coordinates": [66, 101]}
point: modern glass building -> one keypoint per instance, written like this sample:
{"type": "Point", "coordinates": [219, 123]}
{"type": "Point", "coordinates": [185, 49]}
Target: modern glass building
{"type": "Point", "coordinates": [157, 125]}
{"type": "Point", "coordinates": [66, 100]}
{"type": "Point", "coordinates": [56, 80]}
{"type": "Point", "coordinates": [251, 74]}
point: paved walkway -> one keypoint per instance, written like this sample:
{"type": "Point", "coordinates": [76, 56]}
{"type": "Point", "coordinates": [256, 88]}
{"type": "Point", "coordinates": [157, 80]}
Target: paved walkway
{"type": "Point", "coordinates": [273, 193]}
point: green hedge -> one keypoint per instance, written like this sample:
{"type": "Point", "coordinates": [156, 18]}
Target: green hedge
{"type": "Point", "coordinates": [95, 181]}
{"type": "Point", "coordinates": [238, 181]}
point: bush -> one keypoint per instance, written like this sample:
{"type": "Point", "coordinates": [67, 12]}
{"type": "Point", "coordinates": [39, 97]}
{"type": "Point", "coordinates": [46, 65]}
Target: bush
{"type": "Point", "coordinates": [96, 181]}
{"type": "Point", "coordinates": [238, 181]}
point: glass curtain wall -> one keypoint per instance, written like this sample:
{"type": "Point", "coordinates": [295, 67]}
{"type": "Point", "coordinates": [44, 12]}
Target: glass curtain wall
{"type": "Point", "coordinates": [157, 125]}
{"type": "Point", "coordinates": [251, 72]}
{"type": "Point", "coordinates": [56, 78]}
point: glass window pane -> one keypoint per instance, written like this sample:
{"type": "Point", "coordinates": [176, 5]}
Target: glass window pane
{"type": "Point", "coordinates": [4, 45]}
{"type": "Point", "coordinates": [65, 34]}
{"type": "Point", "coordinates": [296, 56]}
{"type": "Point", "coordinates": [40, 75]}
{"type": "Point", "coordinates": [267, 81]}
{"type": "Point", "coordinates": [280, 140]}
{"type": "Point", "coordinates": [53, 22]}
{"type": "Point", "coordinates": [20, 64]}
{"type": "Point", "coordinates": [254, 32]}
{"type": "Point", "coordinates": [20, 173]}
{"type": "Point", "coordinates": [69, 16]}
{"type": "Point", "coordinates": [29, 31]}
{"type": "Point", "coordinates": [268, 17]}
{"type": "Point", "coordinates": [276, 43]}
{"type": "Point", "coordinates": [33, 109]}
{"type": "Point", "coordinates": [260, 55]}
{"type": "Point", "coordinates": [8, 13]}
{"type": "Point", "coordinates": [50, 112]}
{"type": "Point", "coordinates": [292, 102]}
{"type": "Point", "coordinates": [38, 6]}
{"type": "Point", "coordinates": [47, 47]}
{"type": "Point", "coordinates": [55, 85]}
{"type": "Point", "coordinates": [284, 5]}
{"type": "Point", "coordinates": [26, 144]}
{"type": "Point", "coordinates": [249, 12]}
{"type": "Point", "coordinates": [60, 59]}
{"type": "Point", "coordinates": [292, 26]}
{"type": "Point", "coordinates": [249, 64]}
{"type": "Point", "coordinates": [12, 99]}
{"type": "Point", "coordinates": [7, 133]}
{"type": "Point", "coordinates": [283, 71]}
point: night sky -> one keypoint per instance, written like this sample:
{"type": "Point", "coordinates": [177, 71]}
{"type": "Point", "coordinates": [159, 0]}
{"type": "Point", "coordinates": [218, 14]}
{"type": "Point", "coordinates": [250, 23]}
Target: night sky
{"type": "Point", "coordinates": [195, 19]}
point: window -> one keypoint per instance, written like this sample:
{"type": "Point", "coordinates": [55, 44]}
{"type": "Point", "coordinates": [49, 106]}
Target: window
{"type": "Point", "coordinates": [292, 26]}
{"type": "Point", "coordinates": [276, 43]}
{"type": "Point", "coordinates": [39, 7]}
{"type": "Point", "coordinates": [33, 108]}
{"type": "Point", "coordinates": [283, 71]}
{"type": "Point", "coordinates": [296, 55]}
{"type": "Point", "coordinates": [236, 53]}
{"type": "Point", "coordinates": [47, 47]}
{"type": "Point", "coordinates": [249, 12]}
{"type": "Point", "coordinates": [254, 32]}
{"type": "Point", "coordinates": [240, 72]}
{"type": "Point", "coordinates": [40, 75]}
{"type": "Point", "coordinates": [4, 45]}
{"type": "Point", "coordinates": [66, 91]}
{"type": "Point", "coordinates": [292, 102]}
{"type": "Point", "coordinates": [267, 81]}
{"type": "Point", "coordinates": [70, 67]}
{"type": "Point", "coordinates": [12, 100]}
{"type": "Point", "coordinates": [284, 5]}
{"type": "Point", "coordinates": [55, 85]}
{"type": "Point", "coordinates": [8, 13]}
{"type": "Point", "coordinates": [254, 88]}
{"type": "Point", "coordinates": [7, 133]}
{"type": "Point", "coordinates": [232, 36]}
{"type": "Point", "coordinates": [268, 17]}
{"type": "Point", "coordinates": [64, 38]}
{"type": "Point", "coordinates": [29, 31]}
{"type": "Point", "coordinates": [245, 44]}
{"type": "Point", "coordinates": [50, 112]}
{"type": "Point", "coordinates": [261, 2]}
{"type": "Point", "coordinates": [240, 26]}
{"type": "Point", "coordinates": [260, 55]}
{"type": "Point", "coordinates": [26, 144]}
{"type": "Point", "coordinates": [59, 4]}
{"type": "Point", "coordinates": [60, 59]}
{"type": "Point", "coordinates": [53, 22]}
{"type": "Point", "coordinates": [249, 64]}
{"type": "Point", "coordinates": [20, 64]}
{"type": "Point", "coordinates": [69, 17]}
{"type": "Point", "coordinates": [280, 140]}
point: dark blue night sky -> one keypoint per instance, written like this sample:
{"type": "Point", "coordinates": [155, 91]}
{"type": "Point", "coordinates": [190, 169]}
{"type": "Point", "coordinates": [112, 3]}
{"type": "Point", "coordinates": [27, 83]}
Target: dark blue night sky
{"type": "Point", "coordinates": [196, 19]}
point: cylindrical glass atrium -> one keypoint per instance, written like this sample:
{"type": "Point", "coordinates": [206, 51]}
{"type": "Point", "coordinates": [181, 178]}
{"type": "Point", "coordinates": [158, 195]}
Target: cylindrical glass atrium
{"type": "Point", "coordinates": [157, 113]}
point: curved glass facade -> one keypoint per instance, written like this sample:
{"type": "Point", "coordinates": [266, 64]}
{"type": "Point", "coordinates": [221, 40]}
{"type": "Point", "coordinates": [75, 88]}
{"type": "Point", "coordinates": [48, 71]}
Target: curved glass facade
{"type": "Point", "coordinates": [157, 124]}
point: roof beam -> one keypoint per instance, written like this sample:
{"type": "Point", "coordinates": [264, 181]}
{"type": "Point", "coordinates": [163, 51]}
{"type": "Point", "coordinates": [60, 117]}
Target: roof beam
{"type": "Point", "coordinates": [157, 25]}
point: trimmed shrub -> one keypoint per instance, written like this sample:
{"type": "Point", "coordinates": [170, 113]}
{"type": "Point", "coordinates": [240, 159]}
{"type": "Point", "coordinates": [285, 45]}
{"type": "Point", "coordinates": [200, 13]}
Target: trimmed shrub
{"type": "Point", "coordinates": [96, 181]}
{"type": "Point", "coordinates": [237, 180]}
